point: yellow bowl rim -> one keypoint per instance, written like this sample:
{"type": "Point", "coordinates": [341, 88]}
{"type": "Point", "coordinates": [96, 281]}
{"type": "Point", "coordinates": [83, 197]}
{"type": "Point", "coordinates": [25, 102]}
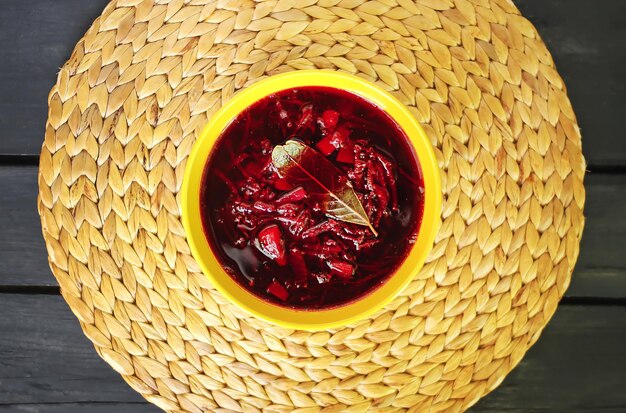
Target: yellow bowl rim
{"type": "Point", "coordinates": [311, 320]}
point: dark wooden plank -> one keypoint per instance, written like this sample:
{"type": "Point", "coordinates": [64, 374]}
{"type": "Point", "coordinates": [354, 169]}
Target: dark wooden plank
{"type": "Point", "coordinates": [36, 39]}
{"type": "Point", "coordinates": [47, 365]}
{"type": "Point", "coordinates": [45, 358]}
{"type": "Point", "coordinates": [601, 267]}
{"type": "Point", "coordinates": [23, 255]}
{"type": "Point", "coordinates": [79, 408]}
{"type": "Point", "coordinates": [577, 365]}
{"type": "Point", "coordinates": [583, 37]}
{"type": "Point", "coordinates": [600, 272]}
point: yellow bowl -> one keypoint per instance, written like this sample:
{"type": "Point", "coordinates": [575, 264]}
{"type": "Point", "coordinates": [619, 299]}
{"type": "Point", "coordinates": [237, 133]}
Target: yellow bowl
{"type": "Point", "coordinates": [298, 318]}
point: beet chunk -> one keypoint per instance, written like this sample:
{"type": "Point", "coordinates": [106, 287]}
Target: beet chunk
{"type": "Point", "coordinates": [270, 243]}
{"type": "Point", "coordinates": [295, 195]}
{"type": "Point", "coordinates": [328, 121]}
{"type": "Point", "coordinates": [341, 268]}
{"type": "Point", "coordinates": [326, 146]}
{"type": "Point", "coordinates": [278, 291]}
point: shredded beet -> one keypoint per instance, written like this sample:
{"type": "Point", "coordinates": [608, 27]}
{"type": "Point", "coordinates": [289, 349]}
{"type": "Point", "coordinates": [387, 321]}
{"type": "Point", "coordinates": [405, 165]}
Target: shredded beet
{"type": "Point", "coordinates": [274, 238]}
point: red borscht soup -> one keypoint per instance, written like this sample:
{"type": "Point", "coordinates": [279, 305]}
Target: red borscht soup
{"type": "Point", "coordinates": [311, 198]}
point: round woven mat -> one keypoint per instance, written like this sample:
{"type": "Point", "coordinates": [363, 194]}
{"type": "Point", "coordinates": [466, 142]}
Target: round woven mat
{"type": "Point", "coordinates": [134, 96]}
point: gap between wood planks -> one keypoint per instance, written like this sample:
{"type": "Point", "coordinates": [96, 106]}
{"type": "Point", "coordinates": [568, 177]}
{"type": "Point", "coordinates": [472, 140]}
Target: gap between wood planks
{"type": "Point", "coordinates": [33, 160]}
{"type": "Point", "coordinates": [29, 162]}
{"type": "Point", "coordinates": [56, 290]}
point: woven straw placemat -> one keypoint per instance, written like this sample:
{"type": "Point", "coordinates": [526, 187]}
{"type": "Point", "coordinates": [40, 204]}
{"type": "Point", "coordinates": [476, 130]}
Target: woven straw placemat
{"type": "Point", "coordinates": [134, 96]}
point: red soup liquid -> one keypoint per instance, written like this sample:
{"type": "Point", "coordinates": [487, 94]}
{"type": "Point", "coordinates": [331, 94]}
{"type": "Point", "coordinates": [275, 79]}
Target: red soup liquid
{"type": "Point", "coordinates": [279, 243]}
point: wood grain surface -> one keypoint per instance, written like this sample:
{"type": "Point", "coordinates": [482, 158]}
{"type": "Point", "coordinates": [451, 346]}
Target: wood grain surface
{"type": "Point", "coordinates": [600, 271]}
{"type": "Point", "coordinates": [80, 407]}
{"type": "Point", "coordinates": [46, 363]}
{"type": "Point", "coordinates": [585, 39]}
{"type": "Point", "coordinates": [39, 39]}
{"type": "Point", "coordinates": [36, 38]}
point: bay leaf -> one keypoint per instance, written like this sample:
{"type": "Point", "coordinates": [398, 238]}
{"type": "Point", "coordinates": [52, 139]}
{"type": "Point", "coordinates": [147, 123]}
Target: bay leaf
{"type": "Point", "coordinates": [301, 165]}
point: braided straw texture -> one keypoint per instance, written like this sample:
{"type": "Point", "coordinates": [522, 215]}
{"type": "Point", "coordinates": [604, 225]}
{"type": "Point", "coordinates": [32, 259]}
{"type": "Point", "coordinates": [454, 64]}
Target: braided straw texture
{"type": "Point", "coordinates": [136, 92]}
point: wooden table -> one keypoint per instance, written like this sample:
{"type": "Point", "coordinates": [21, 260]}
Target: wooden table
{"type": "Point", "coordinates": [47, 365]}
